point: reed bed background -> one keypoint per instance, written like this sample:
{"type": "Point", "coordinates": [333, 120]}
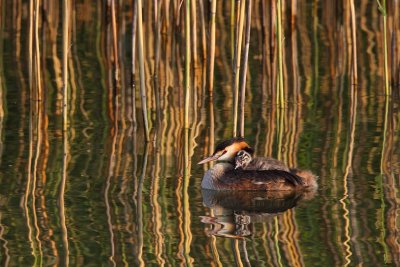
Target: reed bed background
{"type": "Point", "coordinates": [106, 106]}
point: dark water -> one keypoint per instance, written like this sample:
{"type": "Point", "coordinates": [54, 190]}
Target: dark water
{"type": "Point", "coordinates": [113, 200]}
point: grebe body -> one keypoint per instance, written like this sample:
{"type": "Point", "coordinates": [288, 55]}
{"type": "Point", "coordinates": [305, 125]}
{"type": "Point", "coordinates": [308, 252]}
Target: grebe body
{"type": "Point", "coordinates": [236, 169]}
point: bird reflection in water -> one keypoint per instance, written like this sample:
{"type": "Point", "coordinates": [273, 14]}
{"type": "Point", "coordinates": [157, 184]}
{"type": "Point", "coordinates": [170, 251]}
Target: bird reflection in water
{"type": "Point", "coordinates": [233, 212]}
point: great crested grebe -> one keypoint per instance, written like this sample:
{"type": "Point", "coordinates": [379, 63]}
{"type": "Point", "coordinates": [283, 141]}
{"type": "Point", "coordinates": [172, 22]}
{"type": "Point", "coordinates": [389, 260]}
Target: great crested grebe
{"type": "Point", "coordinates": [236, 169]}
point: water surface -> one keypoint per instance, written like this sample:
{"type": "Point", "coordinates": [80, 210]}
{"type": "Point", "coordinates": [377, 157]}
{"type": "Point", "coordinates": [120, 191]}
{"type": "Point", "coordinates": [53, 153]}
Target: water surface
{"type": "Point", "coordinates": [115, 200]}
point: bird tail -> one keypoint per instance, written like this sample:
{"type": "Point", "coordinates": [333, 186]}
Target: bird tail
{"type": "Point", "coordinates": [308, 178]}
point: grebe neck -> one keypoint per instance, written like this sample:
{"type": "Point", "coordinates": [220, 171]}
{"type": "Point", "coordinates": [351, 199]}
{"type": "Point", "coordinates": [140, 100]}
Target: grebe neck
{"type": "Point", "coordinates": [212, 176]}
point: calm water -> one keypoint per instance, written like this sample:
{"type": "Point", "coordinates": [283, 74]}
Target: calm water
{"type": "Point", "coordinates": [113, 200]}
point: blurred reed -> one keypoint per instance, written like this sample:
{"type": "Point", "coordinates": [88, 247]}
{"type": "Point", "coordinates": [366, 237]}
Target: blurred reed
{"type": "Point", "coordinates": [187, 62]}
{"type": "Point", "coordinates": [143, 93]}
{"type": "Point", "coordinates": [193, 23]}
{"type": "Point", "coordinates": [115, 42]}
{"type": "Point", "coordinates": [279, 36]}
{"type": "Point", "coordinates": [236, 62]}
{"type": "Point", "coordinates": [211, 48]}
{"type": "Point", "coordinates": [382, 8]}
{"type": "Point", "coordinates": [354, 44]}
{"type": "Point", "coordinates": [133, 63]}
{"type": "Point", "coordinates": [244, 70]}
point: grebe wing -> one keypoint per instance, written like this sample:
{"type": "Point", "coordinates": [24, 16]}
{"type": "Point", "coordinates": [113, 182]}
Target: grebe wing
{"type": "Point", "coordinates": [262, 176]}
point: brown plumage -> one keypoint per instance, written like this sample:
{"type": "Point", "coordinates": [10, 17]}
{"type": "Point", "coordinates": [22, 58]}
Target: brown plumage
{"type": "Point", "coordinates": [245, 161]}
{"type": "Point", "coordinates": [238, 170]}
{"type": "Point", "coordinates": [224, 177]}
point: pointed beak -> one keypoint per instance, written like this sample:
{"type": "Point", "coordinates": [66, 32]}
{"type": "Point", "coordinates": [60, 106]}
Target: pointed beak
{"type": "Point", "coordinates": [238, 165]}
{"type": "Point", "coordinates": [211, 158]}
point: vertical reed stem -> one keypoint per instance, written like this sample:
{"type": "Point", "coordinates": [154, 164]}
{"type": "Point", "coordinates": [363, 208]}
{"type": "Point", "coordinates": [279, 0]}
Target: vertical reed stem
{"type": "Point", "coordinates": [212, 47]}
{"type": "Point", "coordinates": [133, 74]}
{"type": "Point", "coordinates": [233, 29]}
{"type": "Point", "coordinates": [236, 67]}
{"type": "Point", "coordinates": [157, 10]}
{"type": "Point", "coordinates": [30, 45]}
{"type": "Point", "coordinates": [281, 100]}
{"type": "Point", "coordinates": [194, 32]}
{"type": "Point", "coordinates": [141, 70]}
{"type": "Point", "coordinates": [244, 70]}
{"type": "Point", "coordinates": [387, 86]}
{"type": "Point", "coordinates": [187, 65]}
{"type": "Point", "coordinates": [115, 41]}
{"type": "Point", "coordinates": [134, 28]}
{"type": "Point", "coordinates": [65, 64]}
{"type": "Point", "coordinates": [353, 36]}
{"type": "Point", "coordinates": [203, 30]}
{"type": "Point", "coordinates": [382, 8]}
{"type": "Point", "coordinates": [273, 52]}
{"type": "Point", "coordinates": [385, 130]}
{"type": "Point", "coordinates": [38, 74]}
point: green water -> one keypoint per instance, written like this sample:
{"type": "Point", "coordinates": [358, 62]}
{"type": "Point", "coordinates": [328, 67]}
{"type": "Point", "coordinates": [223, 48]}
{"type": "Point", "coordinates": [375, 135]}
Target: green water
{"type": "Point", "coordinates": [128, 203]}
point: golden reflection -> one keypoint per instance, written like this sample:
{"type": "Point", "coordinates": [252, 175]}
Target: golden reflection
{"type": "Point", "coordinates": [276, 241]}
{"type": "Point", "coordinates": [265, 244]}
{"type": "Point", "coordinates": [186, 210]}
{"type": "Point", "coordinates": [386, 192]}
{"type": "Point", "coordinates": [347, 174]}
{"type": "Point", "coordinates": [180, 213]}
{"type": "Point", "coordinates": [288, 238]}
{"type": "Point", "coordinates": [214, 248]}
{"type": "Point", "coordinates": [29, 178]}
{"type": "Point", "coordinates": [111, 172]}
{"type": "Point", "coordinates": [391, 188]}
{"type": "Point", "coordinates": [236, 251]}
{"type": "Point", "coordinates": [157, 211]}
{"type": "Point", "coordinates": [139, 209]}
{"type": "Point", "coordinates": [7, 259]}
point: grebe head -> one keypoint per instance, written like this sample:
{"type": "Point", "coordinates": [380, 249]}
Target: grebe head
{"type": "Point", "coordinates": [227, 150]}
{"type": "Point", "coordinates": [242, 159]}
